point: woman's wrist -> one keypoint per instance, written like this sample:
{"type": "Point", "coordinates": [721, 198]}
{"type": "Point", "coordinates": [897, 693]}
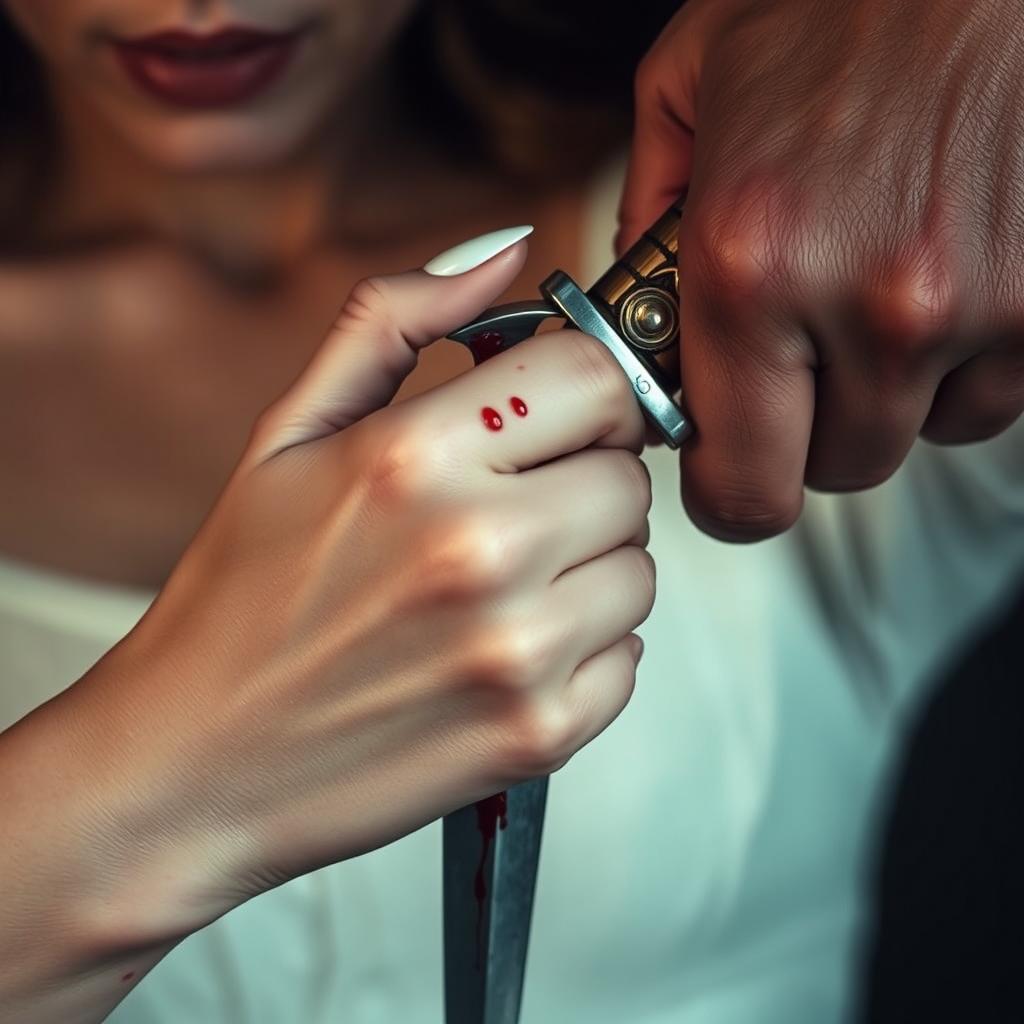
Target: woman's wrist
{"type": "Point", "coordinates": [101, 880]}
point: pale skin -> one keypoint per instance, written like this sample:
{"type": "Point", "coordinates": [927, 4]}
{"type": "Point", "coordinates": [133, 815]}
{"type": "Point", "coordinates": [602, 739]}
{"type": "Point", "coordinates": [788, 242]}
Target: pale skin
{"type": "Point", "coordinates": [134, 360]}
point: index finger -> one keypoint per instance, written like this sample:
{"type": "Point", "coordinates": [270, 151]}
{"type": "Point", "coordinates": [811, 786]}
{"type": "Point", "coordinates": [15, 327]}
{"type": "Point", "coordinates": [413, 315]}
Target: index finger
{"type": "Point", "coordinates": [664, 120]}
{"type": "Point", "coordinates": [748, 379]}
{"type": "Point", "coordinates": [553, 394]}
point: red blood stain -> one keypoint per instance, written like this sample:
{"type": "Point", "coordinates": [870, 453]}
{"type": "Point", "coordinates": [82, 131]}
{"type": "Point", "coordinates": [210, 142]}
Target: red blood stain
{"type": "Point", "coordinates": [489, 813]}
{"type": "Point", "coordinates": [486, 344]}
{"type": "Point", "coordinates": [128, 976]}
{"type": "Point", "coordinates": [491, 417]}
{"type": "Point", "coordinates": [518, 406]}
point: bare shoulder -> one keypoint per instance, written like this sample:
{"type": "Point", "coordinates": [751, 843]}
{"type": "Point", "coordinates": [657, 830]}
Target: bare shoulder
{"type": "Point", "coordinates": [46, 301]}
{"type": "Point", "coordinates": [127, 387]}
{"type": "Point", "coordinates": [129, 380]}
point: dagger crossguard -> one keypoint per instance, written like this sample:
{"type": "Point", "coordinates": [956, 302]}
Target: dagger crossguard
{"type": "Point", "coordinates": [632, 309]}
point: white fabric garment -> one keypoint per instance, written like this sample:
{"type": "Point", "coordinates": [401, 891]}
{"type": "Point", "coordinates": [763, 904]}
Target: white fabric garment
{"type": "Point", "coordinates": [703, 858]}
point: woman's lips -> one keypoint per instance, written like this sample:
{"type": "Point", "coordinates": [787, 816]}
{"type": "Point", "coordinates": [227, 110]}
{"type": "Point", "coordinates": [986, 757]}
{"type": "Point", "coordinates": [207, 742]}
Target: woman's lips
{"type": "Point", "coordinates": [201, 71]}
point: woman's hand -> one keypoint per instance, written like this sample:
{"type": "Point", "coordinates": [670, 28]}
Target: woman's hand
{"type": "Point", "coordinates": [389, 613]}
{"type": "Point", "coordinates": [382, 623]}
{"type": "Point", "coordinates": [851, 251]}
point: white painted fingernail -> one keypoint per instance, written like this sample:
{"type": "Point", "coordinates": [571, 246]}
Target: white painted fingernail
{"type": "Point", "coordinates": [467, 255]}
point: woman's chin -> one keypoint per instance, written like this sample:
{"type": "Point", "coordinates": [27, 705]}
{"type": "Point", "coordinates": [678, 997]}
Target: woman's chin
{"type": "Point", "coordinates": [216, 142]}
{"type": "Point", "coordinates": [219, 147]}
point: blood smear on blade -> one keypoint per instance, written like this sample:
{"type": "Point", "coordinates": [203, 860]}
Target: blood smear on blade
{"type": "Point", "coordinates": [486, 344]}
{"type": "Point", "coordinates": [489, 814]}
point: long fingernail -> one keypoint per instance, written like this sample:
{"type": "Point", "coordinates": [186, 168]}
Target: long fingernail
{"type": "Point", "coordinates": [467, 255]}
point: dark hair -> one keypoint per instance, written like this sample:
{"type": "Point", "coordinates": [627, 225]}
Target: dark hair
{"type": "Point", "coordinates": [540, 88]}
{"type": "Point", "coordinates": [26, 128]}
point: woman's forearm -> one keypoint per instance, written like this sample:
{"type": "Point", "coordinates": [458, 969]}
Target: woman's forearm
{"type": "Point", "coordinates": [90, 900]}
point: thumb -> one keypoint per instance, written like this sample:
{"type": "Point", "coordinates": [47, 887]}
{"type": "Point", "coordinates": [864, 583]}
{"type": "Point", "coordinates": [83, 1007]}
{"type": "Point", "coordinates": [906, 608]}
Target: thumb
{"type": "Point", "coordinates": [665, 104]}
{"type": "Point", "coordinates": [374, 343]}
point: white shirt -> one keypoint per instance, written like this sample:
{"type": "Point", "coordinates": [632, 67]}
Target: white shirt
{"type": "Point", "coordinates": [703, 859]}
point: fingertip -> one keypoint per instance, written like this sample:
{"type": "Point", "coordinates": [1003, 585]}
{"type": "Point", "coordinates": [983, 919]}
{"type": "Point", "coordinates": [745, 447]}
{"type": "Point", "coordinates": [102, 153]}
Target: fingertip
{"type": "Point", "coordinates": [475, 252]}
{"type": "Point", "coordinates": [625, 238]}
{"type": "Point", "coordinates": [739, 511]}
{"type": "Point", "coordinates": [437, 304]}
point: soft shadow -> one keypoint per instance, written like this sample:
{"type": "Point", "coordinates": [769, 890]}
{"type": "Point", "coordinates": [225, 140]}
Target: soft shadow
{"type": "Point", "coordinates": [948, 897]}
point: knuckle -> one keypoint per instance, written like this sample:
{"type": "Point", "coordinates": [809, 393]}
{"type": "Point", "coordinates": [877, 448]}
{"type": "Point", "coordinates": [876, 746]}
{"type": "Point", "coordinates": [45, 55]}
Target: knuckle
{"type": "Point", "coordinates": [644, 575]}
{"type": "Point", "coordinates": [913, 307]}
{"type": "Point", "coordinates": [628, 472]}
{"type": "Point", "coordinates": [597, 711]}
{"type": "Point", "coordinates": [734, 246]}
{"type": "Point", "coordinates": [469, 558]}
{"type": "Point", "coordinates": [401, 467]}
{"type": "Point", "coordinates": [638, 478]}
{"type": "Point", "coordinates": [540, 739]}
{"type": "Point", "coordinates": [513, 659]}
{"type": "Point", "coordinates": [646, 78]}
{"type": "Point", "coordinates": [367, 304]}
{"type": "Point", "coordinates": [263, 428]}
{"type": "Point", "coordinates": [595, 368]}
{"type": "Point", "coordinates": [647, 81]}
{"type": "Point", "coordinates": [369, 312]}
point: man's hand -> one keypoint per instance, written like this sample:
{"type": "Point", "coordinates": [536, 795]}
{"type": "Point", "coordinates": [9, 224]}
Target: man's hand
{"type": "Point", "coordinates": [852, 249]}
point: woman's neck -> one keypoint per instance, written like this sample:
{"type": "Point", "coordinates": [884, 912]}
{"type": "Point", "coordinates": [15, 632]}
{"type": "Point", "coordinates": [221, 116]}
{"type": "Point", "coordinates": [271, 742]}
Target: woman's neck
{"type": "Point", "coordinates": [248, 223]}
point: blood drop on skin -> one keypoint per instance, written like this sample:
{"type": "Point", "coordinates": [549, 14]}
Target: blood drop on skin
{"type": "Point", "coordinates": [491, 417]}
{"type": "Point", "coordinates": [518, 406]}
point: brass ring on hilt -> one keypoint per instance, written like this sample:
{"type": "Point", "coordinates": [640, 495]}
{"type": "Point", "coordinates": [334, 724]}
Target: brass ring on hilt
{"type": "Point", "coordinates": [649, 319]}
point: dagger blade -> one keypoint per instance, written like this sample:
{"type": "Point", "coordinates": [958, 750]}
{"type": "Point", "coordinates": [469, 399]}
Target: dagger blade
{"type": "Point", "coordinates": [491, 852]}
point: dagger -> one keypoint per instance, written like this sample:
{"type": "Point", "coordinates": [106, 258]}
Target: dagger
{"type": "Point", "coordinates": [492, 848]}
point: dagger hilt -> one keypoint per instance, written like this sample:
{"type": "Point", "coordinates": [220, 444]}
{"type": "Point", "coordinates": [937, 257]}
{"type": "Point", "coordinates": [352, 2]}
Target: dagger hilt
{"type": "Point", "coordinates": [639, 296]}
{"type": "Point", "coordinates": [632, 309]}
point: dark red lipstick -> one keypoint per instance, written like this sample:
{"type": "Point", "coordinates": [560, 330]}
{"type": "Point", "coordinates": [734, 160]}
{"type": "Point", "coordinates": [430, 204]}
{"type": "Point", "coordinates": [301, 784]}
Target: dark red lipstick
{"type": "Point", "coordinates": [202, 71]}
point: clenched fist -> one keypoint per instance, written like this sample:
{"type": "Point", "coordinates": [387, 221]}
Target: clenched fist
{"type": "Point", "coordinates": [852, 249]}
